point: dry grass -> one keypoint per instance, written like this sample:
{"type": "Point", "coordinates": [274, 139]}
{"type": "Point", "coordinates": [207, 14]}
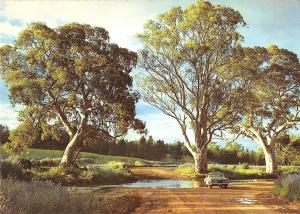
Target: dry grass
{"type": "Point", "coordinates": [18, 197]}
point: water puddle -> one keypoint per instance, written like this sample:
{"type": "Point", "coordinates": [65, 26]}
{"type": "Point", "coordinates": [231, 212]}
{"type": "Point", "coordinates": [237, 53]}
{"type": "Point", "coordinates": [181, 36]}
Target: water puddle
{"type": "Point", "coordinates": [247, 201]}
{"type": "Point", "coordinates": [147, 184]}
{"type": "Point", "coordinates": [164, 184]}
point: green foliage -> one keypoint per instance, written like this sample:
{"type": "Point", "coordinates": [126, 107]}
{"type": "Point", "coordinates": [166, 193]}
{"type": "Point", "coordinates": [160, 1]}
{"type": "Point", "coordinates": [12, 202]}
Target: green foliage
{"type": "Point", "coordinates": [116, 164]}
{"type": "Point", "coordinates": [244, 166]}
{"type": "Point", "coordinates": [288, 169]}
{"type": "Point", "coordinates": [186, 53]}
{"type": "Point", "coordinates": [113, 173]}
{"type": "Point", "coordinates": [288, 186]}
{"type": "Point", "coordinates": [21, 138]}
{"type": "Point", "coordinates": [57, 154]}
{"type": "Point", "coordinates": [10, 169]}
{"type": "Point", "coordinates": [239, 172]}
{"type": "Point", "coordinates": [54, 174]}
{"type": "Point", "coordinates": [89, 91]}
{"type": "Point", "coordinates": [243, 171]}
{"type": "Point", "coordinates": [139, 163]}
{"type": "Point", "coordinates": [186, 169]}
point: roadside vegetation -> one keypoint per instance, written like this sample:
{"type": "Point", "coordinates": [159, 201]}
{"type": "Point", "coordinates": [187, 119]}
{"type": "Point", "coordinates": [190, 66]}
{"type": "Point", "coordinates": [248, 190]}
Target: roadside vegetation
{"type": "Point", "coordinates": [288, 186]}
{"type": "Point", "coordinates": [19, 197]}
{"type": "Point", "coordinates": [242, 171]}
{"type": "Point", "coordinates": [89, 171]}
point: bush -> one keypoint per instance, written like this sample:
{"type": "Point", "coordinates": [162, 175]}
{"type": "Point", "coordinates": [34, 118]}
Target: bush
{"type": "Point", "coordinates": [116, 164]}
{"type": "Point", "coordinates": [108, 174]}
{"type": "Point", "coordinates": [239, 172]}
{"type": "Point", "coordinates": [244, 166]}
{"type": "Point", "coordinates": [49, 162]}
{"type": "Point", "coordinates": [186, 169]}
{"type": "Point", "coordinates": [288, 169]}
{"type": "Point", "coordinates": [10, 169]}
{"type": "Point", "coordinates": [41, 197]}
{"type": "Point", "coordinates": [139, 163]}
{"type": "Point", "coordinates": [288, 186]}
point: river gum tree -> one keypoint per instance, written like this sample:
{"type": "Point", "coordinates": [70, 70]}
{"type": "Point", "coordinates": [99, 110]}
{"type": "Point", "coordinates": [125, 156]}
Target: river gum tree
{"type": "Point", "coordinates": [272, 103]}
{"type": "Point", "coordinates": [187, 73]}
{"type": "Point", "coordinates": [72, 77]}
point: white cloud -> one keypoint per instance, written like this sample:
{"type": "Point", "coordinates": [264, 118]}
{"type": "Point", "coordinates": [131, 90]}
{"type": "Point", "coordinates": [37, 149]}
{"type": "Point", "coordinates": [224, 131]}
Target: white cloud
{"type": "Point", "coordinates": [123, 19]}
{"type": "Point", "coordinates": [8, 29]}
{"type": "Point", "coordinates": [8, 116]}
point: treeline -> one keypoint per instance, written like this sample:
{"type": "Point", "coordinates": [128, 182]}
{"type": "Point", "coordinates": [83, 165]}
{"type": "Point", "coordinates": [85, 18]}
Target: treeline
{"type": "Point", "coordinates": [150, 149]}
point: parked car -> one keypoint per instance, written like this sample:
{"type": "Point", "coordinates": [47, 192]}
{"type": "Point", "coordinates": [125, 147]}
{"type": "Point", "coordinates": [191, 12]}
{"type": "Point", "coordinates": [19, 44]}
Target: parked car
{"type": "Point", "coordinates": [216, 179]}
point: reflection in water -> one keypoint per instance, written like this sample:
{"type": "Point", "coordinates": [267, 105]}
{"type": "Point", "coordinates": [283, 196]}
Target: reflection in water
{"type": "Point", "coordinates": [164, 184]}
{"type": "Point", "coordinates": [247, 201]}
{"type": "Point", "coordinates": [148, 184]}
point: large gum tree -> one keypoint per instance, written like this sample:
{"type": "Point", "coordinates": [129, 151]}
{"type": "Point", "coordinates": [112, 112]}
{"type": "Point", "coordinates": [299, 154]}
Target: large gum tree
{"type": "Point", "coordinates": [187, 74]}
{"type": "Point", "coordinates": [272, 101]}
{"type": "Point", "coordinates": [72, 77]}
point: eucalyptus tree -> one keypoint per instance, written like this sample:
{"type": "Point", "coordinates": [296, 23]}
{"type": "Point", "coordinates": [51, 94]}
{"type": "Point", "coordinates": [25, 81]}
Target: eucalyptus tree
{"type": "Point", "coordinates": [72, 76]}
{"type": "Point", "coordinates": [187, 71]}
{"type": "Point", "coordinates": [272, 103]}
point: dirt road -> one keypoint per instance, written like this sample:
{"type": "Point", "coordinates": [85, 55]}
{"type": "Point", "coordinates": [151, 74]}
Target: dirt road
{"type": "Point", "coordinates": [248, 198]}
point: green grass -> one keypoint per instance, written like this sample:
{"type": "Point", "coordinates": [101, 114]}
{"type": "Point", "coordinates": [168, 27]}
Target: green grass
{"type": "Point", "coordinates": [43, 153]}
{"type": "Point", "coordinates": [243, 171]}
{"type": "Point", "coordinates": [186, 170]}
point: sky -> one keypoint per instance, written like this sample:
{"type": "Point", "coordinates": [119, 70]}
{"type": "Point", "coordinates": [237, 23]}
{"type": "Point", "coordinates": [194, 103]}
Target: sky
{"type": "Point", "coordinates": [268, 22]}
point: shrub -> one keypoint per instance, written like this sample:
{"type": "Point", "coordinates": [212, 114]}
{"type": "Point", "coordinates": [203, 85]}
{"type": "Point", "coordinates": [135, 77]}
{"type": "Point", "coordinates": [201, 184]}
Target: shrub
{"type": "Point", "coordinates": [233, 172]}
{"type": "Point", "coordinates": [288, 186]}
{"type": "Point", "coordinates": [86, 161]}
{"type": "Point", "coordinates": [288, 169]}
{"type": "Point", "coordinates": [139, 163]}
{"type": "Point", "coordinates": [244, 166]}
{"type": "Point", "coordinates": [55, 174]}
{"type": "Point", "coordinates": [108, 174]}
{"type": "Point", "coordinates": [186, 169]}
{"type": "Point", "coordinates": [116, 164]}
{"type": "Point", "coordinates": [41, 197]}
{"type": "Point", "coordinates": [49, 162]}
{"type": "Point", "coordinates": [10, 169]}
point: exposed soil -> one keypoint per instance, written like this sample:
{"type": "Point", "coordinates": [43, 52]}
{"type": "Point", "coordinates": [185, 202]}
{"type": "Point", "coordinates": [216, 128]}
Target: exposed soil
{"type": "Point", "coordinates": [246, 198]}
{"type": "Point", "coordinates": [156, 173]}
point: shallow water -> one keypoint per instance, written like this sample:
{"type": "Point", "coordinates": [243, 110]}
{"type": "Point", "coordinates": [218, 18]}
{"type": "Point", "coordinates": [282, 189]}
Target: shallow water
{"type": "Point", "coordinates": [147, 184]}
{"type": "Point", "coordinates": [247, 201]}
{"type": "Point", "coordinates": [164, 184]}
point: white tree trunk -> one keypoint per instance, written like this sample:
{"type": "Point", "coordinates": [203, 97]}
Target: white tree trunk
{"type": "Point", "coordinates": [71, 151]}
{"type": "Point", "coordinates": [74, 146]}
{"type": "Point", "coordinates": [270, 159]}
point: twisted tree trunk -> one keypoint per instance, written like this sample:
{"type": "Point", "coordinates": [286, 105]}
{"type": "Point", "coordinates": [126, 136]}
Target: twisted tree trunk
{"type": "Point", "coordinates": [74, 146]}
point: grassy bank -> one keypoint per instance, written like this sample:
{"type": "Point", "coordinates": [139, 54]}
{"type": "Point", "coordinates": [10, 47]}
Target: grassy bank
{"type": "Point", "coordinates": [18, 197]}
{"type": "Point", "coordinates": [112, 172]}
{"type": "Point", "coordinates": [43, 153]}
{"type": "Point", "coordinates": [243, 171]}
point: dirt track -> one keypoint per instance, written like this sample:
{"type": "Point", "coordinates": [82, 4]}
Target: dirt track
{"type": "Point", "coordinates": [216, 200]}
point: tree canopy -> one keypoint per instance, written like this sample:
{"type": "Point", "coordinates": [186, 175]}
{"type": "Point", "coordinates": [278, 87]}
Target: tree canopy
{"type": "Point", "coordinates": [188, 73]}
{"type": "Point", "coordinates": [272, 104]}
{"type": "Point", "coordinates": [72, 76]}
